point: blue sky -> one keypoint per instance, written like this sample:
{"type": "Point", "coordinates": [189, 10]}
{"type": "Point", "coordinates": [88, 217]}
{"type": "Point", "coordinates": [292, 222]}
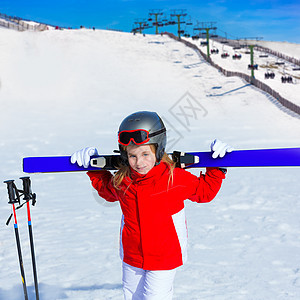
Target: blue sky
{"type": "Point", "coordinates": [276, 20]}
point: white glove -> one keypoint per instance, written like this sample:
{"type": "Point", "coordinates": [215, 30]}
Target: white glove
{"type": "Point", "coordinates": [219, 148]}
{"type": "Point", "coordinates": [83, 156]}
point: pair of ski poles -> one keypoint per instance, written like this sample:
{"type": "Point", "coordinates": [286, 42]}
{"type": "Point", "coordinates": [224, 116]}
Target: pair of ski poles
{"type": "Point", "coordinates": [14, 196]}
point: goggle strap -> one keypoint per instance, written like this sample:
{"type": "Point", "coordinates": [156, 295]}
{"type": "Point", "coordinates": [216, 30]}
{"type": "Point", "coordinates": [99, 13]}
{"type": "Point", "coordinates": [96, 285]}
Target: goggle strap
{"type": "Point", "coordinates": [157, 132]}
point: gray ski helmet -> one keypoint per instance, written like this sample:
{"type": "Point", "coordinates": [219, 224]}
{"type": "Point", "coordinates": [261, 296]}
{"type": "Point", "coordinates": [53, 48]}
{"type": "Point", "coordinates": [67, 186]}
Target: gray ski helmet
{"type": "Point", "coordinates": [150, 124]}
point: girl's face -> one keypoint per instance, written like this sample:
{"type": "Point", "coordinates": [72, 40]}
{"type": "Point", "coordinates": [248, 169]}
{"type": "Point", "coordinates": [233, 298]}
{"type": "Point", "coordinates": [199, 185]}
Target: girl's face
{"type": "Point", "coordinates": [141, 158]}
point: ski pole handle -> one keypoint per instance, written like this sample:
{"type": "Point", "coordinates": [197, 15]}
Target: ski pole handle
{"type": "Point", "coordinates": [13, 195]}
{"type": "Point", "coordinates": [26, 187]}
{"type": "Point", "coordinates": [27, 192]}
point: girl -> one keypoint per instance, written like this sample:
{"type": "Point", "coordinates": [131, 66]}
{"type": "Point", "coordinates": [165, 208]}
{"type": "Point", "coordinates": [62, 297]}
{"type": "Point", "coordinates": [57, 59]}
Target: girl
{"type": "Point", "coordinates": [151, 193]}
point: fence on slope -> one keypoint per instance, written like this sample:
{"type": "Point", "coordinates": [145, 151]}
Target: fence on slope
{"type": "Point", "coordinates": [18, 24]}
{"type": "Point", "coordinates": [257, 83]}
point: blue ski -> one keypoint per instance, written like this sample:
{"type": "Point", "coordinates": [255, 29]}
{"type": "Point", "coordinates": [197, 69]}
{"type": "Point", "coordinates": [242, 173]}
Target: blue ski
{"type": "Point", "coordinates": [284, 157]}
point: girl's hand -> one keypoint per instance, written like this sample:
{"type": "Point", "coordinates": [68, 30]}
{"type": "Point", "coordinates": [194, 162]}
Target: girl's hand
{"type": "Point", "coordinates": [82, 157]}
{"type": "Point", "coordinates": [219, 148]}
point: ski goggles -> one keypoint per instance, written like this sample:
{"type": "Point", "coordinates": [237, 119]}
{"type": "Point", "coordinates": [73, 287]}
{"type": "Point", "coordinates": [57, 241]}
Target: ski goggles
{"type": "Point", "coordinates": [138, 136]}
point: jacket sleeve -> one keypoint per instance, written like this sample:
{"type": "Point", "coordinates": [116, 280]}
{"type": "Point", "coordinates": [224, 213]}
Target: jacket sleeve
{"type": "Point", "coordinates": [102, 182]}
{"type": "Point", "coordinates": [208, 185]}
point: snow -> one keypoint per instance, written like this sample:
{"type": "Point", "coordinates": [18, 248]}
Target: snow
{"type": "Point", "coordinates": [64, 90]}
{"type": "Point", "coordinates": [289, 49]}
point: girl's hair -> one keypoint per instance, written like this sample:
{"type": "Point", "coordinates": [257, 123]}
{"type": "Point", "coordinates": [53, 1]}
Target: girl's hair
{"type": "Point", "coordinates": [124, 170]}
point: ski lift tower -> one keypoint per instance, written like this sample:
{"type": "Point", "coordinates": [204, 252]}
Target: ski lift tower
{"type": "Point", "coordinates": [252, 60]}
{"type": "Point", "coordinates": [142, 25]}
{"type": "Point", "coordinates": [156, 13]}
{"type": "Point", "coordinates": [207, 26]}
{"type": "Point", "coordinates": [178, 13]}
{"type": "Point", "coordinates": [252, 53]}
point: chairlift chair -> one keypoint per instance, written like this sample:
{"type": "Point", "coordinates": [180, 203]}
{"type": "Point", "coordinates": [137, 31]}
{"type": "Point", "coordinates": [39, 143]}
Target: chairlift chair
{"type": "Point", "coordinates": [253, 67]}
{"type": "Point", "coordinates": [214, 50]}
{"type": "Point", "coordinates": [224, 55]}
{"type": "Point", "coordinates": [237, 56]}
{"type": "Point", "coordinates": [269, 74]}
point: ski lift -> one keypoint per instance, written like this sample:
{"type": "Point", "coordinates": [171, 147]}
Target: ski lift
{"type": "Point", "coordinates": [237, 56]}
{"type": "Point", "coordinates": [287, 79]}
{"type": "Point", "coordinates": [269, 74]}
{"type": "Point", "coordinates": [263, 55]}
{"type": "Point", "coordinates": [150, 19]}
{"type": "Point", "coordinates": [189, 22]}
{"type": "Point", "coordinates": [214, 50]}
{"type": "Point", "coordinates": [203, 43]}
{"type": "Point", "coordinates": [224, 55]}
{"type": "Point", "coordinates": [253, 67]}
{"type": "Point", "coordinates": [164, 18]}
{"type": "Point", "coordinates": [195, 37]}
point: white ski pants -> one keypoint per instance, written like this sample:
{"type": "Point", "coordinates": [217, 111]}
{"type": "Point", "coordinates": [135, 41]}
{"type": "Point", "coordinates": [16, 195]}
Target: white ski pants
{"type": "Point", "coordinates": [139, 284]}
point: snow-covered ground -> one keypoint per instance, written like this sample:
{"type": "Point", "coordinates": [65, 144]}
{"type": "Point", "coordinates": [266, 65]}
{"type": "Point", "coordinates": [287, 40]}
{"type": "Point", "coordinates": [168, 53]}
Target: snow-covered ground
{"type": "Point", "coordinates": [289, 49]}
{"type": "Point", "coordinates": [64, 90]}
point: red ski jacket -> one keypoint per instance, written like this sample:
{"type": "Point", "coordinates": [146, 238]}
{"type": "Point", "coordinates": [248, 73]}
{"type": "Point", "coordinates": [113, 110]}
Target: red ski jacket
{"type": "Point", "coordinates": [153, 229]}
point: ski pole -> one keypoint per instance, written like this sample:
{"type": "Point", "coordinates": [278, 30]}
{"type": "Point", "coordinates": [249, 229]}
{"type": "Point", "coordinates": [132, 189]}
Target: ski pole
{"type": "Point", "coordinates": [14, 198]}
{"type": "Point", "coordinates": [28, 195]}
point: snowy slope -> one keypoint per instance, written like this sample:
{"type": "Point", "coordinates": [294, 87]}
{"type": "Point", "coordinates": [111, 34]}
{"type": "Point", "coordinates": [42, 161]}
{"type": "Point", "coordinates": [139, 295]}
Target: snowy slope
{"type": "Point", "coordinates": [64, 90]}
{"type": "Point", "coordinates": [266, 63]}
{"type": "Point", "coordinates": [290, 49]}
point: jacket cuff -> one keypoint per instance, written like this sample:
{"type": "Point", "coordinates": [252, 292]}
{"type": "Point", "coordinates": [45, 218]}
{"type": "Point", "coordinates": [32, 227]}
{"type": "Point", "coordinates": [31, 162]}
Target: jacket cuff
{"type": "Point", "coordinates": [216, 172]}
